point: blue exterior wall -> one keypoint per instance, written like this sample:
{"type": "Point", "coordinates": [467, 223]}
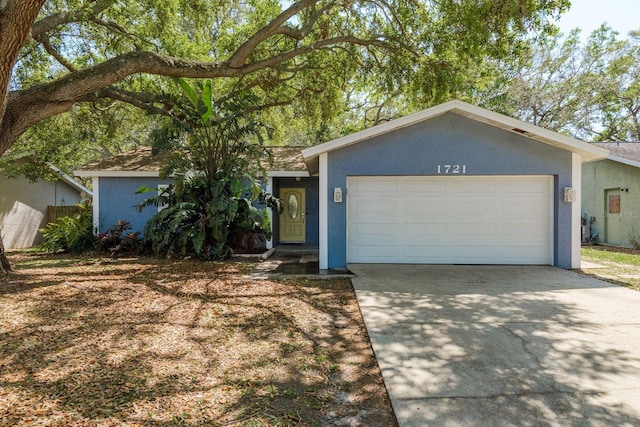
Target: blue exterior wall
{"type": "Point", "coordinates": [447, 139]}
{"type": "Point", "coordinates": [118, 199]}
{"type": "Point", "coordinates": [312, 209]}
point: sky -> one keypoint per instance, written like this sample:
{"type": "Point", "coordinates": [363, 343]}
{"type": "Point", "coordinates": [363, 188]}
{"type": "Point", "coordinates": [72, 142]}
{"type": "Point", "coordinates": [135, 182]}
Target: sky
{"type": "Point", "coordinates": [621, 15]}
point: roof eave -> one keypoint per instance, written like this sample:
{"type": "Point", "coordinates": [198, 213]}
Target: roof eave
{"type": "Point", "coordinates": [70, 181]}
{"type": "Point", "coordinates": [116, 174]}
{"type": "Point", "coordinates": [156, 174]}
{"type": "Point", "coordinates": [624, 161]}
{"type": "Point", "coordinates": [288, 174]}
{"type": "Point", "coordinates": [587, 151]}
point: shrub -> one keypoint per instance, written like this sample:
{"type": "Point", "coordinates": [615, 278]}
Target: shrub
{"type": "Point", "coordinates": [215, 156]}
{"type": "Point", "coordinates": [70, 233]}
{"type": "Point", "coordinates": [117, 240]}
{"type": "Point", "coordinates": [192, 224]}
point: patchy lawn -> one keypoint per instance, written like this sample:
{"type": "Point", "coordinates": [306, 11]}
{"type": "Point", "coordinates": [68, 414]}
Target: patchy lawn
{"type": "Point", "coordinates": [93, 341]}
{"type": "Point", "coordinates": [614, 265]}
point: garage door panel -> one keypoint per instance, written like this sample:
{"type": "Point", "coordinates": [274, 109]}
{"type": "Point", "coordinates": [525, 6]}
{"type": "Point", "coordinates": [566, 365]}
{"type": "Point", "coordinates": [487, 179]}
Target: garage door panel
{"type": "Point", "coordinates": [520, 254]}
{"type": "Point", "coordinates": [526, 232]}
{"type": "Point", "coordinates": [527, 210]}
{"type": "Point", "coordinates": [375, 252]}
{"type": "Point", "coordinates": [473, 220]}
{"type": "Point", "coordinates": [424, 230]}
{"type": "Point", "coordinates": [375, 231]}
{"type": "Point", "coordinates": [473, 205]}
{"type": "Point", "coordinates": [423, 209]}
{"type": "Point", "coordinates": [524, 186]}
{"type": "Point", "coordinates": [473, 186]}
{"type": "Point", "coordinates": [432, 187]}
{"type": "Point", "coordinates": [422, 254]}
{"type": "Point", "coordinates": [472, 254]}
{"type": "Point", "coordinates": [375, 186]}
{"type": "Point", "coordinates": [474, 231]}
{"type": "Point", "coordinates": [373, 206]}
{"type": "Point", "coordinates": [382, 217]}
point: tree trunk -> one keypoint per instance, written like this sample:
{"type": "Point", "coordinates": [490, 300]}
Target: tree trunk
{"type": "Point", "coordinates": [5, 267]}
{"type": "Point", "coordinates": [16, 19]}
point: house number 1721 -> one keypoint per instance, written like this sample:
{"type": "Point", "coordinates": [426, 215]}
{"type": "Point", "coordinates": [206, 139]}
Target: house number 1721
{"type": "Point", "coordinates": [452, 169]}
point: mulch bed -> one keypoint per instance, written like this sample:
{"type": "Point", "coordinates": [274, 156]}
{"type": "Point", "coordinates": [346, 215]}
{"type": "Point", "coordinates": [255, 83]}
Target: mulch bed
{"type": "Point", "coordinates": [91, 341]}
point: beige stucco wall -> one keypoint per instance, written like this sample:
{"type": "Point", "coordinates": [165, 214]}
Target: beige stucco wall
{"type": "Point", "coordinates": [23, 208]}
{"type": "Point", "coordinates": [606, 174]}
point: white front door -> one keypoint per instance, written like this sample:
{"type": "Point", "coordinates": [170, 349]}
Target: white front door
{"type": "Point", "coordinates": [450, 220]}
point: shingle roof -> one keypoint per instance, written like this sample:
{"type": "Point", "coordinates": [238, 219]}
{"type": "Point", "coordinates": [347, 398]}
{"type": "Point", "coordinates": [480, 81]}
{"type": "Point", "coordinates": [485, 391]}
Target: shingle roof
{"type": "Point", "coordinates": [626, 150]}
{"type": "Point", "coordinates": [140, 160]}
{"type": "Point", "coordinates": [288, 159]}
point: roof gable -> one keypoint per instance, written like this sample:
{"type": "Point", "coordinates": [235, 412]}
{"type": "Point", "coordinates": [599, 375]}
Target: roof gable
{"type": "Point", "coordinates": [71, 182]}
{"type": "Point", "coordinates": [587, 151]}
{"type": "Point", "coordinates": [57, 172]}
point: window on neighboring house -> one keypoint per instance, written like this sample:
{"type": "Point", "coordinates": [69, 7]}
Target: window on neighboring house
{"type": "Point", "coordinates": [161, 188]}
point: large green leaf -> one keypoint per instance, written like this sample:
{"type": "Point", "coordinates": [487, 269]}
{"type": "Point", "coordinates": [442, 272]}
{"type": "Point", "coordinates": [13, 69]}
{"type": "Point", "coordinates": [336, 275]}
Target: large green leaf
{"type": "Point", "coordinates": [236, 186]}
{"type": "Point", "coordinates": [207, 99]}
{"type": "Point", "coordinates": [188, 91]}
{"type": "Point", "coordinates": [198, 240]}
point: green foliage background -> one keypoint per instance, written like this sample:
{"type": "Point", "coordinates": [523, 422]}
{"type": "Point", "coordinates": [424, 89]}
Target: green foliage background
{"type": "Point", "coordinates": [424, 53]}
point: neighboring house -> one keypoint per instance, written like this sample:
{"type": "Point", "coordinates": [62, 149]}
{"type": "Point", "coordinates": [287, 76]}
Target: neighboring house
{"type": "Point", "coordinates": [23, 205]}
{"type": "Point", "coordinates": [451, 184]}
{"type": "Point", "coordinates": [611, 194]}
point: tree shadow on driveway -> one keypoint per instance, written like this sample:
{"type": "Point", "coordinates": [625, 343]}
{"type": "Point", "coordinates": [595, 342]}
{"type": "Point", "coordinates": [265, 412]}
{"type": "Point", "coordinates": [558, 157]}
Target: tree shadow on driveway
{"type": "Point", "coordinates": [503, 345]}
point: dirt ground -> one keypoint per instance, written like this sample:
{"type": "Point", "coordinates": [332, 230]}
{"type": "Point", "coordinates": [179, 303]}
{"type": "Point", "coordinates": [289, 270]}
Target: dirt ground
{"type": "Point", "coordinates": [92, 341]}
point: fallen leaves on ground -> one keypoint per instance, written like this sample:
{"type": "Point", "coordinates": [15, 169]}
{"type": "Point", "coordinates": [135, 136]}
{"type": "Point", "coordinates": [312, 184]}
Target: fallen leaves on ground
{"type": "Point", "coordinates": [91, 341]}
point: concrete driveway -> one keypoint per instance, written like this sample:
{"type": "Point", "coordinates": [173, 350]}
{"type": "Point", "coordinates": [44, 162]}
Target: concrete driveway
{"type": "Point", "coordinates": [503, 345]}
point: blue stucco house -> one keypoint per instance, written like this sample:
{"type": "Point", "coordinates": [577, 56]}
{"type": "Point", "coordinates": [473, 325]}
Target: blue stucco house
{"type": "Point", "coordinates": [453, 184]}
{"type": "Point", "coordinates": [116, 180]}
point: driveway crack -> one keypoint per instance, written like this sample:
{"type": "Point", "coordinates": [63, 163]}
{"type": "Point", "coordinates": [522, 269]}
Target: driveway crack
{"type": "Point", "coordinates": [523, 343]}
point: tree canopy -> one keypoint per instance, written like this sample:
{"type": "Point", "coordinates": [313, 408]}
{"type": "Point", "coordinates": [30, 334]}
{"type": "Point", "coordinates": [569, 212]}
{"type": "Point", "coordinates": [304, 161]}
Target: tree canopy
{"type": "Point", "coordinates": [587, 89]}
{"type": "Point", "coordinates": [302, 56]}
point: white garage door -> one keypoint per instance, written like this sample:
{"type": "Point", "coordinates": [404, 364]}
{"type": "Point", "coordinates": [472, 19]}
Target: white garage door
{"type": "Point", "coordinates": [450, 220]}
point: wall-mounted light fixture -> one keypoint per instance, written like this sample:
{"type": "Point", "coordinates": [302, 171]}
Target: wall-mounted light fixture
{"type": "Point", "coordinates": [337, 195]}
{"type": "Point", "coordinates": [624, 190]}
{"type": "Point", "coordinates": [569, 195]}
